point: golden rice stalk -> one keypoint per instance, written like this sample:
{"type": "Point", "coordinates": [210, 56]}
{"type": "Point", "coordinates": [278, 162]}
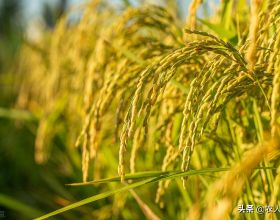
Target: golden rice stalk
{"type": "Point", "coordinates": [253, 32]}
{"type": "Point", "coordinates": [137, 142]}
{"type": "Point", "coordinates": [85, 161]}
{"type": "Point", "coordinates": [144, 207]}
{"type": "Point", "coordinates": [276, 189]}
{"type": "Point", "coordinates": [230, 185]}
{"type": "Point", "coordinates": [275, 67]}
{"type": "Point", "coordinates": [138, 67]}
{"type": "Point", "coordinates": [191, 19]}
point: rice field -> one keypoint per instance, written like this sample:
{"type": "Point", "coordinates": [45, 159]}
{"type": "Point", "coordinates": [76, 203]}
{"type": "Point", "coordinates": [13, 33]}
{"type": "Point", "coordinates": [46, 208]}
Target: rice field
{"type": "Point", "coordinates": [154, 116]}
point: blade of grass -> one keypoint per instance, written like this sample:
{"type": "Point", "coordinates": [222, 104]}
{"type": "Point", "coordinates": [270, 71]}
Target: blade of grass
{"type": "Point", "coordinates": [131, 186]}
{"type": "Point", "coordinates": [16, 205]}
{"type": "Point", "coordinates": [157, 178]}
{"type": "Point", "coordinates": [96, 197]}
{"type": "Point", "coordinates": [219, 30]}
{"type": "Point", "coordinates": [128, 176]}
{"type": "Point", "coordinates": [226, 14]}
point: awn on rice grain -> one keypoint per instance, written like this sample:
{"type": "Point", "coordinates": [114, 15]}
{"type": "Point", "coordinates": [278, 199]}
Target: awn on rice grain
{"type": "Point", "coordinates": [179, 97]}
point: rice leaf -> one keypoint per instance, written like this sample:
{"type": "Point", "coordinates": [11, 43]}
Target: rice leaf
{"type": "Point", "coordinates": [220, 30]}
{"type": "Point", "coordinates": [11, 203]}
{"type": "Point", "coordinates": [158, 176]}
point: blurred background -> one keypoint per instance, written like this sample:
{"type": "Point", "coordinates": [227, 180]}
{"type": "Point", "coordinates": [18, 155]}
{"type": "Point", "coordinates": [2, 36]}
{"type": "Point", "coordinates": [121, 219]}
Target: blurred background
{"type": "Point", "coordinates": [26, 188]}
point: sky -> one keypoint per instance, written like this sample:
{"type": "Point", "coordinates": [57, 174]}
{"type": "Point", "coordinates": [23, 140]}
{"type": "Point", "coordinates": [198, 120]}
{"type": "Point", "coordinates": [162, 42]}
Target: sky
{"type": "Point", "coordinates": [32, 9]}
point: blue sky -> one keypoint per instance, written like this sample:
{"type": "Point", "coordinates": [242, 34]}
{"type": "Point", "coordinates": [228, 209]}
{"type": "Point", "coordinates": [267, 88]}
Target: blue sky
{"type": "Point", "coordinates": [33, 8]}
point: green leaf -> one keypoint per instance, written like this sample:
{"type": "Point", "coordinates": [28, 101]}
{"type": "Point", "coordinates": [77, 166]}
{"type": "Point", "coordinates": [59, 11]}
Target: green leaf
{"type": "Point", "coordinates": [158, 176]}
{"type": "Point", "coordinates": [226, 14]}
{"type": "Point", "coordinates": [16, 205]}
{"type": "Point", "coordinates": [96, 197]}
{"type": "Point", "coordinates": [134, 176]}
{"type": "Point", "coordinates": [219, 30]}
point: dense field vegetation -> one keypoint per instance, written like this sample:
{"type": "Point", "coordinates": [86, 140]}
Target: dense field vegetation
{"type": "Point", "coordinates": [151, 115]}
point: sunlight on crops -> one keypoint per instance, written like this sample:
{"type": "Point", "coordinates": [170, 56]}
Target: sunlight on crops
{"type": "Point", "coordinates": [138, 95]}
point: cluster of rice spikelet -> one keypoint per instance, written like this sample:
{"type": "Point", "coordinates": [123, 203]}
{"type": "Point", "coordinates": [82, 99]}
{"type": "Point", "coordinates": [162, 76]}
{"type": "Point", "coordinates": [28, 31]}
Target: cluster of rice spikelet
{"type": "Point", "coordinates": [144, 83]}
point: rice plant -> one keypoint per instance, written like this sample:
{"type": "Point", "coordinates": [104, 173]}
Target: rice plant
{"type": "Point", "coordinates": [148, 97]}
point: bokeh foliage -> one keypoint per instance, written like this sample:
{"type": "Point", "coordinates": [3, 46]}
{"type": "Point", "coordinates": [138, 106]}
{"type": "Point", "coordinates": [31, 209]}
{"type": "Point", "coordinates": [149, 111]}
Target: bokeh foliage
{"type": "Point", "coordinates": [137, 89]}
